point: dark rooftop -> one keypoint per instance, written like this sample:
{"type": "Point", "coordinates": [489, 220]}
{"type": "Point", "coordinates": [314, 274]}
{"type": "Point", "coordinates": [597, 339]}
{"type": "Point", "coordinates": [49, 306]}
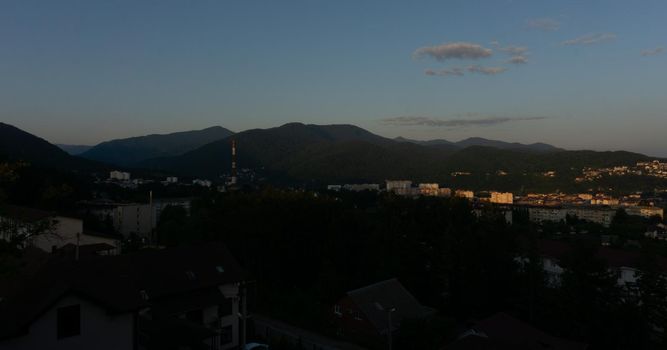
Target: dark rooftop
{"type": "Point", "coordinates": [375, 299]}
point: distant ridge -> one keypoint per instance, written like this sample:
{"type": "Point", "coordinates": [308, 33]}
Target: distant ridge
{"type": "Point", "coordinates": [130, 151]}
{"type": "Point", "coordinates": [478, 141]}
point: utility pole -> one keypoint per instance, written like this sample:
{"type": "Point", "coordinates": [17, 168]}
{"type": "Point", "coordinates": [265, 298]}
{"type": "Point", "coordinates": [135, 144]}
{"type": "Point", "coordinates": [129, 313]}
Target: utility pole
{"type": "Point", "coordinates": [244, 314]}
{"type": "Point", "coordinates": [389, 333]}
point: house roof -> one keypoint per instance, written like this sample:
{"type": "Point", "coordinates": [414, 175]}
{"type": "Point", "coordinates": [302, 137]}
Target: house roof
{"type": "Point", "coordinates": [92, 233]}
{"type": "Point", "coordinates": [502, 331]}
{"type": "Point", "coordinates": [120, 283]}
{"type": "Point", "coordinates": [85, 250]}
{"type": "Point", "coordinates": [375, 301]}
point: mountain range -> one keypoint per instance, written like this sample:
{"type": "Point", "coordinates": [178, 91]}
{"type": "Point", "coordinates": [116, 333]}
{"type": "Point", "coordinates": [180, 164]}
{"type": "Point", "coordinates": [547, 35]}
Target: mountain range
{"type": "Point", "coordinates": [316, 154]}
{"type": "Point", "coordinates": [130, 151]}
{"type": "Point", "coordinates": [478, 141]}
{"type": "Point", "coordinates": [346, 153]}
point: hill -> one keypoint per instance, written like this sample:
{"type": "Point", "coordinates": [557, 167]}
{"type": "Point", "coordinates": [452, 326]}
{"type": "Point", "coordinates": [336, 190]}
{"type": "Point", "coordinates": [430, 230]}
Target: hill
{"type": "Point", "coordinates": [129, 151]}
{"type": "Point", "coordinates": [18, 145]}
{"type": "Point", "coordinates": [345, 153]}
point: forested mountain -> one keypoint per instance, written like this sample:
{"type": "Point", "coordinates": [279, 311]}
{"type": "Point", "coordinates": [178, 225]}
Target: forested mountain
{"type": "Point", "coordinates": [132, 150]}
{"type": "Point", "coordinates": [18, 145]}
{"type": "Point", "coordinates": [346, 153]}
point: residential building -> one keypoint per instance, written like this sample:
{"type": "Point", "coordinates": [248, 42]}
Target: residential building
{"type": "Point", "coordinates": [134, 219]}
{"type": "Point", "coordinates": [394, 185]}
{"type": "Point", "coordinates": [464, 194]}
{"type": "Point", "coordinates": [502, 198]}
{"type": "Point", "coordinates": [202, 183]}
{"type": "Point", "coordinates": [646, 212]}
{"type": "Point", "coordinates": [361, 187]}
{"type": "Point", "coordinates": [372, 314]}
{"type": "Point", "coordinates": [622, 262]}
{"type": "Point", "coordinates": [429, 189]}
{"type": "Point", "coordinates": [180, 298]}
{"type": "Point", "coordinates": [603, 216]}
{"type": "Point", "coordinates": [119, 176]}
{"type": "Point", "coordinates": [54, 231]}
{"type": "Point", "coordinates": [445, 192]}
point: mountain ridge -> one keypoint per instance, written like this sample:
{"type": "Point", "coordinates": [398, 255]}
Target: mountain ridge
{"type": "Point", "coordinates": [129, 151]}
{"type": "Point", "coordinates": [480, 141]}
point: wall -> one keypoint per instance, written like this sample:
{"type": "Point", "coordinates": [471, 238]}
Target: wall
{"type": "Point", "coordinates": [99, 330]}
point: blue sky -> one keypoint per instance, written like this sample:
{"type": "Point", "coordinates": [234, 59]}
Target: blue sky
{"type": "Point", "coordinates": [87, 71]}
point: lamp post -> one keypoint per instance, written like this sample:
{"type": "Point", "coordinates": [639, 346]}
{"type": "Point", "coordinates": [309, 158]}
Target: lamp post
{"type": "Point", "coordinates": [389, 332]}
{"type": "Point", "coordinates": [389, 311]}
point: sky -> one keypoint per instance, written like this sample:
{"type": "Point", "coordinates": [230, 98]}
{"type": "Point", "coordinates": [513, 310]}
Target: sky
{"type": "Point", "coordinates": [577, 74]}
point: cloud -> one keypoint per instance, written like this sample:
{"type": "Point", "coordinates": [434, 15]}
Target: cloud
{"type": "Point", "coordinates": [514, 50]}
{"type": "Point", "coordinates": [653, 52]}
{"type": "Point", "coordinates": [519, 59]}
{"type": "Point", "coordinates": [456, 71]}
{"type": "Point", "coordinates": [591, 39]}
{"type": "Point", "coordinates": [444, 72]}
{"type": "Point", "coordinates": [460, 50]}
{"type": "Point", "coordinates": [453, 123]}
{"type": "Point", "coordinates": [486, 70]}
{"type": "Point", "coordinates": [544, 24]}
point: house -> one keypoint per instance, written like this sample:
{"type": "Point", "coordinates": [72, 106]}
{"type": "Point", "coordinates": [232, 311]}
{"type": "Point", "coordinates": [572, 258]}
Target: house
{"type": "Point", "coordinates": [502, 331]}
{"type": "Point", "coordinates": [624, 263]}
{"type": "Point", "coordinates": [179, 298]}
{"type": "Point", "coordinates": [370, 315]}
{"type": "Point", "coordinates": [55, 231]}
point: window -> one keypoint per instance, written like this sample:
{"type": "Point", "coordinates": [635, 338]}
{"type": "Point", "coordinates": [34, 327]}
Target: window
{"type": "Point", "coordinates": [226, 335]}
{"type": "Point", "coordinates": [357, 315]}
{"type": "Point", "coordinates": [69, 321]}
{"type": "Point", "coordinates": [337, 310]}
{"type": "Point", "coordinates": [191, 275]}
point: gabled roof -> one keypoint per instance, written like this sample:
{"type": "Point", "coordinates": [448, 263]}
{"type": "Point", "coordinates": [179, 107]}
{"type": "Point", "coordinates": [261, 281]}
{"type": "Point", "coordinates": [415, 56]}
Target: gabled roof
{"type": "Point", "coordinates": [377, 299]}
{"type": "Point", "coordinates": [502, 331]}
{"type": "Point", "coordinates": [120, 283]}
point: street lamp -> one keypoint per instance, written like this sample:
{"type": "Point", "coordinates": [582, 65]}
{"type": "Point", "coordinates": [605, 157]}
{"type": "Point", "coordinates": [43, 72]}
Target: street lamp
{"type": "Point", "coordinates": [389, 311]}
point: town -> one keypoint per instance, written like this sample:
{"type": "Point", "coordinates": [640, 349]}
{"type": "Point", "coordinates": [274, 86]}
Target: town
{"type": "Point", "coordinates": [333, 175]}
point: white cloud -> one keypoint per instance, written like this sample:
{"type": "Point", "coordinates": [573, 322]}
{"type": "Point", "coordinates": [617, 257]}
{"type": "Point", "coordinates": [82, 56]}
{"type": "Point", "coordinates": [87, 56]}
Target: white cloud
{"type": "Point", "coordinates": [519, 59]}
{"type": "Point", "coordinates": [653, 52]}
{"type": "Point", "coordinates": [486, 70]}
{"type": "Point", "coordinates": [591, 39]}
{"type": "Point", "coordinates": [445, 72]}
{"type": "Point", "coordinates": [459, 50]}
